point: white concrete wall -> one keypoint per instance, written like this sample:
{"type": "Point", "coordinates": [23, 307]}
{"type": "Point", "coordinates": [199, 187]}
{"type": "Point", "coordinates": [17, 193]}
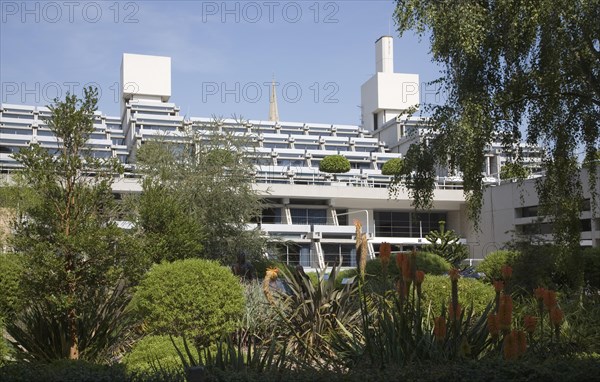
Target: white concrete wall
{"type": "Point", "coordinates": [146, 77]}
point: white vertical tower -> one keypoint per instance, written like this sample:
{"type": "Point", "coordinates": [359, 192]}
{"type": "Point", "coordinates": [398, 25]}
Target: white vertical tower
{"type": "Point", "coordinates": [273, 111]}
{"type": "Point", "coordinates": [384, 55]}
{"type": "Point", "coordinates": [387, 94]}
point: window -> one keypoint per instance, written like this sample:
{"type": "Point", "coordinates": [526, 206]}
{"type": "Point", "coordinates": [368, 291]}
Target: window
{"type": "Point", "coordinates": [526, 212]}
{"type": "Point", "coordinates": [308, 216]}
{"type": "Point", "coordinates": [342, 219]}
{"type": "Point", "coordinates": [406, 224]}
{"type": "Point", "coordinates": [271, 216]}
{"type": "Point", "coordinates": [332, 252]}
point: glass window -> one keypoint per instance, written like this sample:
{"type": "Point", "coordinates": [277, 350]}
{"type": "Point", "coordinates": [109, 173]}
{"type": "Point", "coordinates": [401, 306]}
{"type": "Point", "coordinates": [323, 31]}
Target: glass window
{"type": "Point", "coordinates": [406, 224]}
{"type": "Point", "coordinates": [271, 216]}
{"type": "Point", "coordinates": [275, 145]}
{"type": "Point", "coordinates": [332, 252]}
{"type": "Point", "coordinates": [308, 216]}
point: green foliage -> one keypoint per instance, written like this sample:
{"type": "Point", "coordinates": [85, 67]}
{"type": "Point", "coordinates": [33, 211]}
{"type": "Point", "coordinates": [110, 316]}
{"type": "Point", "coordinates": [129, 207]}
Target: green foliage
{"type": "Point", "coordinates": [513, 170]}
{"type": "Point", "coordinates": [538, 265]}
{"type": "Point", "coordinates": [5, 350]}
{"type": "Point", "coordinates": [205, 186]}
{"type": "Point", "coordinates": [553, 369]}
{"type": "Point", "coordinates": [591, 267]}
{"type": "Point", "coordinates": [11, 273]}
{"type": "Point", "coordinates": [260, 320]}
{"type": "Point", "coordinates": [62, 371]}
{"type": "Point", "coordinates": [393, 167]}
{"type": "Point", "coordinates": [427, 262]}
{"type": "Point", "coordinates": [398, 323]}
{"type": "Point", "coordinates": [170, 230]}
{"type": "Point", "coordinates": [436, 293]}
{"type": "Point", "coordinates": [40, 336]}
{"type": "Point", "coordinates": [446, 244]}
{"type": "Point", "coordinates": [154, 352]}
{"type": "Point", "coordinates": [499, 78]}
{"type": "Point", "coordinates": [313, 312]}
{"type": "Point", "coordinates": [194, 298]}
{"type": "Point", "coordinates": [334, 164]}
{"type": "Point", "coordinates": [493, 262]}
{"type": "Point", "coordinates": [74, 251]}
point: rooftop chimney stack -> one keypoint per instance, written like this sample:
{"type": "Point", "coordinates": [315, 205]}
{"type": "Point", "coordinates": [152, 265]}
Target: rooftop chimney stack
{"type": "Point", "coordinates": [384, 54]}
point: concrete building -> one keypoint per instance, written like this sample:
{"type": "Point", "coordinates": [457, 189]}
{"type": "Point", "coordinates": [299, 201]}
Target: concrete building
{"type": "Point", "coordinates": [312, 212]}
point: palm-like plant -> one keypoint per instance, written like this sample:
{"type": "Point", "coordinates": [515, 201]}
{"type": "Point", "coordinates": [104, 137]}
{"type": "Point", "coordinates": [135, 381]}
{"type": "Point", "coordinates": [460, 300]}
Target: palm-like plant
{"type": "Point", "coordinates": [313, 313]}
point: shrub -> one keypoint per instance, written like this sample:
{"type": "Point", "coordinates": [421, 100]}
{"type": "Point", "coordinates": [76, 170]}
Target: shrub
{"type": "Point", "coordinates": [5, 352]}
{"type": "Point", "coordinates": [393, 167]}
{"type": "Point", "coordinates": [493, 262]}
{"type": "Point", "coordinates": [11, 298]}
{"type": "Point", "coordinates": [334, 164]}
{"type": "Point", "coordinates": [62, 370]}
{"type": "Point", "coordinates": [428, 262]}
{"type": "Point", "coordinates": [154, 353]}
{"type": "Point", "coordinates": [195, 298]}
{"type": "Point", "coordinates": [436, 291]}
{"type": "Point", "coordinates": [591, 267]}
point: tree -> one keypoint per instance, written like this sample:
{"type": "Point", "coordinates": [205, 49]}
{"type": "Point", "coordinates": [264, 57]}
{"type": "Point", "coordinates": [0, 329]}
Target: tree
{"type": "Point", "coordinates": [513, 171]}
{"type": "Point", "coordinates": [76, 255]}
{"type": "Point", "coordinates": [170, 231]}
{"type": "Point", "coordinates": [512, 67]}
{"type": "Point", "coordinates": [446, 244]}
{"type": "Point", "coordinates": [335, 164]}
{"type": "Point", "coordinates": [204, 192]}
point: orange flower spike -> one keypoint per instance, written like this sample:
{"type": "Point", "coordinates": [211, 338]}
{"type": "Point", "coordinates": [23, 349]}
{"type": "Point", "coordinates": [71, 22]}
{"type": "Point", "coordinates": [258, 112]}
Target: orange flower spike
{"type": "Point", "coordinates": [510, 347]}
{"type": "Point", "coordinates": [506, 272]}
{"type": "Point", "coordinates": [439, 328]}
{"type": "Point", "coordinates": [539, 293]}
{"type": "Point", "coordinates": [556, 316]}
{"type": "Point", "coordinates": [406, 271]}
{"type": "Point", "coordinates": [505, 312]}
{"type": "Point", "coordinates": [454, 274]}
{"type": "Point", "coordinates": [385, 251]}
{"type": "Point", "coordinates": [499, 286]}
{"type": "Point", "coordinates": [454, 315]}
{"type": "Point", "coordinates": [271, 274]}
{"type": "Point", "coordinates": [492, 325]}
{"type": "Point", "coordinates": [399, 261]}
{"type": "Point", "coordinates": [550, 299]}
{"type": "Point", "coordinates": [419, 277]}
{"type": "Point", "coordinates": [529, 322]}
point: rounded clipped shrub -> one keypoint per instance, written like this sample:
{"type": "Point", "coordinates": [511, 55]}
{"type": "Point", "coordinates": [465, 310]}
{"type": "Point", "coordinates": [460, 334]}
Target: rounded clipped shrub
{"type": "Point", "coordinates": [393, 167]}
{"type": "Point", "coordinates": [196, 298]}
{"type": "Point", "coordinates": [492, 263]}
{"type": "Point", "coordinates": [334, 164]}
{"type": "Point", "coordinates": [154, 352]}
{"type": "Point", "coordinates": [437, 290]}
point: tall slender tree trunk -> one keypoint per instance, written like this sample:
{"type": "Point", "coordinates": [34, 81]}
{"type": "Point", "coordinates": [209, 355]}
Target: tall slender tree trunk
{"type": "Point", "coordinates": [73, 335]}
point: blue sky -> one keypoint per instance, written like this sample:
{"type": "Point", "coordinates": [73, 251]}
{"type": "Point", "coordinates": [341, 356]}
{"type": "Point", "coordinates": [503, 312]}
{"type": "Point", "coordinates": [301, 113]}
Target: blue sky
{"type": "Point", "coordinates": [222, 53]}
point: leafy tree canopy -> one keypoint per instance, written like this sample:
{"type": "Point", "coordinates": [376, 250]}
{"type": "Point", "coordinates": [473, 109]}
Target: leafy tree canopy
{"type": "Point", "coordinates": [514, 171]}
{"type": "Point", "coordinates": [510, 67]}
{"type": "Point", "coordinates": [75, 253]}
{"type": "Point", "coordinates": [198, 195]}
